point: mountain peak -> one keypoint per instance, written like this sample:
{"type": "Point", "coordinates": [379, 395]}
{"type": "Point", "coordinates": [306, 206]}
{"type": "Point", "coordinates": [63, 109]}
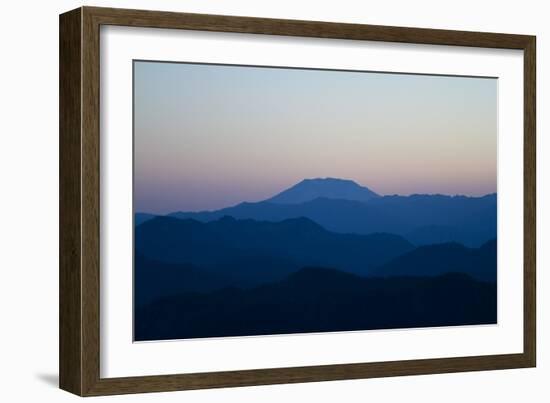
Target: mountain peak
{"type": "Point", "coordinates": [329, 179]}
{"type": "Point", "coordinates": [330, 188]}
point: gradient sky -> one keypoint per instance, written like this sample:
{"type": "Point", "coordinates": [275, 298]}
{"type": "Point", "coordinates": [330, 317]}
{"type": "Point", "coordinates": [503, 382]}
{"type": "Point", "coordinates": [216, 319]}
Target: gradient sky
{"type": "Point", "coordinates": [209, 136]}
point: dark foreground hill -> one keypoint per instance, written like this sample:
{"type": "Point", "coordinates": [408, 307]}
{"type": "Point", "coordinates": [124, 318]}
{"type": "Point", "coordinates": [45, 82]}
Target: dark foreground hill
{"type": "Point", "coordinates": [320, 300]}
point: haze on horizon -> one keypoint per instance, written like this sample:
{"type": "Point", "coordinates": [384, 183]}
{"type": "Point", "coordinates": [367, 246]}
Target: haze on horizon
{"type": "Point", "coordinates": [211, 136]}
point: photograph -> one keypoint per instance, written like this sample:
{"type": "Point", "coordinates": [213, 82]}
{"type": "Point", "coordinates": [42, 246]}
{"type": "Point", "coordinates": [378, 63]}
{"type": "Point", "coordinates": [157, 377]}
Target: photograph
{"type": "Point", "coordinates": [273, 200]}
{"type": "Point", "coordinates": [249, 198]}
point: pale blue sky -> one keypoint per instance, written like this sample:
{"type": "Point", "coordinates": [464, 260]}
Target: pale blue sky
{"type": "Point", "coordinates": [210, 136]}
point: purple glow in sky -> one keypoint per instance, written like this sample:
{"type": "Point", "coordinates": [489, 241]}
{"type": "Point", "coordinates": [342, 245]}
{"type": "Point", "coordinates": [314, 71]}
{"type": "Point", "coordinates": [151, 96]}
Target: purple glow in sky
{"type": "Point", "coordinates": [211, 136]}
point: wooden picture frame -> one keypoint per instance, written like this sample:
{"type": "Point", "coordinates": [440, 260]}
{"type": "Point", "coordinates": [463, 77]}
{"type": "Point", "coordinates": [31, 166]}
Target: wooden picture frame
{"type": "Point", "coordinates": [79, 279]}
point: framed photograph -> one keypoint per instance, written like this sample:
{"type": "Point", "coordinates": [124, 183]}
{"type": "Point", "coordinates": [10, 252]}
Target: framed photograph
{"type": "Point", "coordinates": [248, 201]}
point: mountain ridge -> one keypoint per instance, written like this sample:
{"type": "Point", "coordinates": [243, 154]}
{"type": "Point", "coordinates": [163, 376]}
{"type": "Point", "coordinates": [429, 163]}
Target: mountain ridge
{"type": "Point", "coordinates": [227, 241]}
{"type": "Point", "coordinates": [331, 188]}
{"type": "Point", "coordinates": [421, 219]}
{"type": "Point", "coordinates": [437, 259]}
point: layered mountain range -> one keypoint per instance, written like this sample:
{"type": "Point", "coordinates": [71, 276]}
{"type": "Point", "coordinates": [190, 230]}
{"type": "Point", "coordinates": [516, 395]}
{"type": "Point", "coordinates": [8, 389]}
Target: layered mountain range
{"type": "Point", "coordinates": [316, 257]}
{"type": "Point", "coordinates": [346, 207]}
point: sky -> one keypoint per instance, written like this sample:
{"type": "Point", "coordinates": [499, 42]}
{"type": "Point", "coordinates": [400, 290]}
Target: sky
{"type": "Point", "coordinates": [212, 136]}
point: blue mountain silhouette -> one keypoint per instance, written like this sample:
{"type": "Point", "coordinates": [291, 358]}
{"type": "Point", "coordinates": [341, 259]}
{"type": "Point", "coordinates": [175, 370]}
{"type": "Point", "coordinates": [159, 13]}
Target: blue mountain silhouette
{"type": "Point", "coordinates": [330, 188]}
{"type": "Point", "coordinates": [422, 219]}
{"type": "Point", "coordinates": [434, 260]}
{"type": "Point", "coordinates": [260, 251]}
{"type": "Point", "coordinates": [324, 255]}
{"type": "Point", "coordinates": [140, 218]}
